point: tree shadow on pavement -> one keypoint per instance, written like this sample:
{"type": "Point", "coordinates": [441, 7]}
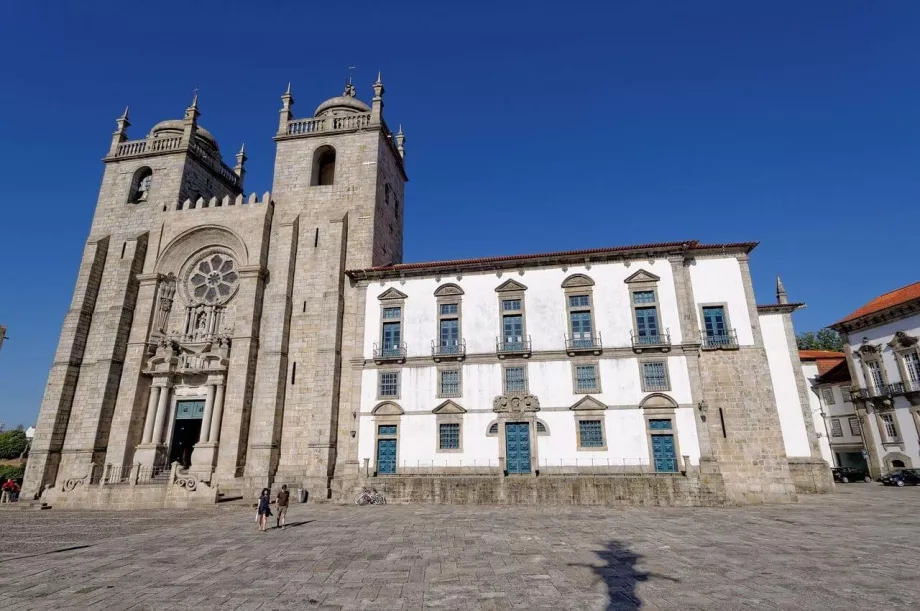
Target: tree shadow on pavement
{"type": "Point", "coordinates": [620, 573]}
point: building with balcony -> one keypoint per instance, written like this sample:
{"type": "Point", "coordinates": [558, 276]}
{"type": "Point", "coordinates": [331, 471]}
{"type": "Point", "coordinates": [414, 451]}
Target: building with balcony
{"type": "Point", "coordinates": [218, 343]}
{"type": "Point", "coordinates": [882, 345]}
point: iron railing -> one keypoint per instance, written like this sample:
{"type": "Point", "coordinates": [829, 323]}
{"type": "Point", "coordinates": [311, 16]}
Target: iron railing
{"type": "Point", "coordinates": [726, 340]}
{"type": "Point", "coordinates": [885, 390]}
{"type": "Point", "coordinates": [650, 340]}
{"type": "Point", "coordinates": [390, 352]}
{"type": "Point", "coordinates": [593, 343]}
{"type": "Point", "coordinates": [157, 474]}
{"type": "Point", "coordinates": [512, 345]}
{"type": "Point", "coordinates": [456, 350]}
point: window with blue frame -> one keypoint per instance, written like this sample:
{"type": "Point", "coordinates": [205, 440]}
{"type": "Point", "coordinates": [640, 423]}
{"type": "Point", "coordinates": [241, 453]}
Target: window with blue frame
{"type": "Point", "coordinates": [579, 301]}
{"type": "Point", "coordinates": [655, 376]}
{"type": "Point", "coordinates": [715, 326]}
{"type": "Point", "coordinates": [449, 309]}
{"type": "Point", "coordinates": [586, 378]}
{"type": "Point", "coordinates": [388, 385]}
{"type": "Point", "coordinates": [660, 424]}
{"type": "Point", "coordinates": [386, 430]}
{"type": "Point", "coordinates": [590, 434]}
{"type": "Point", "coordinates": [511, 305]}
{"type": "Point", "coordinates": [450, 382]}
{"type": "Point", "coordinates": [640, 297]}
{"type": "Point", "coordinates": [449, 436]}
{"type": "Point", "coordinates": [515, 380]}
{"type": "Point", "coordinates": [392, 313]}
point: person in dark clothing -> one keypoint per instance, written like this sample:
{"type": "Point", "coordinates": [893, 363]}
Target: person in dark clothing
{"type": "Point", "coordinates": [265, 508]}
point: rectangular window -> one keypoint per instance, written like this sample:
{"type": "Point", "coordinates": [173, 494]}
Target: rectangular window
{"type": "Point", "coordinates": [450, 383]}
{"type": "Point", "coordinates": [389, 384]}
{"type": "Point", "coordinates": [450, 333]}
{"type": "Point", "coordinates": [875, 375]}
{"type": "Point", "coordinates": [581, 328]}
{"type": "Point", "coordinates": [513, 329]}
{"type": "Point", "coordinates": [912, 365]}
{"type": "Point", "coordinates": [714, 322]}
{"type": "Point", "coordinates": [449, 436]}
{"type": "Point", "coordinates": [391, 313]}
{"type": "Point", "coordinates": [891, 429]}
{"type": "Point", "coordinates": [828, 394]}
{"type": "Point", "coordinates": [854, 427]}
{"type": "Point", "coordinates": [448, 309]}
{"type": "Point", "coordinates": [590, 433]}
{"type": "Point", "coordinates": [386, 429]}
{"type": "Point", "coordinates": [647, 325]}
{"type": "Point", "coordinates": [845, 393]}
{"type": "Point", "coordinates": [515, 380]}
{"type": "Point", "coordinates": [578, 301]}
{"type": "Point", "coordinates": [586, 378]}
{"type": "Point", "coordinates": [644, 297]}
{"type": "Point", "coordinates": [659, 424]}
{"type": "Point", "coordinates": [655, 376]}
{"type": "Point", "coordinates": [836, 429]}
{"type": "Point", "coordinates": [511, 305]}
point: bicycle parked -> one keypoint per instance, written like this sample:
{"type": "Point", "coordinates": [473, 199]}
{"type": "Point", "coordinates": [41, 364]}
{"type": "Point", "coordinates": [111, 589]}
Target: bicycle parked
{"type": "Point", "coordinates": [370, 496]}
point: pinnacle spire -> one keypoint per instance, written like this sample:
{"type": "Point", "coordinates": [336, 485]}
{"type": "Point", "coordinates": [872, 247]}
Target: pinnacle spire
{"type": "Point", "coordinates": [781, 296]}
{"type": "Point", "coordinates": [379, 80]}
{"type": "Point", "coordinates": [195, 99]}
{"type": "Point", "coordinates": [124, 115]}
{"type": "Point", "coordinates": [288, 90]}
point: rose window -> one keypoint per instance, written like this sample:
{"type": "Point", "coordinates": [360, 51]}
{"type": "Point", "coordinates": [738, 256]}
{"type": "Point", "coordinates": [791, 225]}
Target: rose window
{"type": "Point", "coordinates": [213, 279]}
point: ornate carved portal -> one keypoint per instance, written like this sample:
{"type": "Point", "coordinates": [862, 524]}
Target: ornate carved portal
{"type": "Point", "coordinates": [514, 411]}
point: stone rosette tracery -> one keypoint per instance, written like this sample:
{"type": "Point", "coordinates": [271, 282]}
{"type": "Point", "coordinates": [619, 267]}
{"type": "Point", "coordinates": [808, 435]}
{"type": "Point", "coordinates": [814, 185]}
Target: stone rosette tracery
{"type": "Point", "coordinates": [212, 279]}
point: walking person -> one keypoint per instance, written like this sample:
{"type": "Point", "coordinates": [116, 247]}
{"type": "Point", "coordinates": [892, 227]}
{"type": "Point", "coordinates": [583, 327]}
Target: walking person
{"type": "Point", "coordinates": [282, 501]}
{"type": "Point", "coordinates": [265, 508]}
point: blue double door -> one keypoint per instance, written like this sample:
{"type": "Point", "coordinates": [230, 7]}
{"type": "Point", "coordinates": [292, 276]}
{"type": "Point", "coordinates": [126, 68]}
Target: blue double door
{"type": "Point", "coordinates": [386, 449]}
{"type": "Point", "coordinates": [663, 453]}
{"type": "Point", "coordinates": [517, 447]}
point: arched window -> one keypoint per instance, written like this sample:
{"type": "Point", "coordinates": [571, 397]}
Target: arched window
{"type": "Point", "coordinates": [140, 185]}
{"type": "Point", "coordinates": [897, 464]}
{"type": "Point", "coordinates": [323, 166]}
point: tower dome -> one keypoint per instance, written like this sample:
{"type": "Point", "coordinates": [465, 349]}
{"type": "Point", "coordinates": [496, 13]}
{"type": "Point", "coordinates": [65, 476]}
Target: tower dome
{"type": "Point", "coordinates": [345, 104]}
{"type": "Point", "coordinates": [173, 128]}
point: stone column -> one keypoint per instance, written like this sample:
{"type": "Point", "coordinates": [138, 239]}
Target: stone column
{"type": "Point", "coordinates": [151, 413]}
{"type": "Point", "coordinates": [214, 432]}
{"type": "Point", "coordinates": [206, 421]}
{"type": "Point", "coordinates": [162, 409]}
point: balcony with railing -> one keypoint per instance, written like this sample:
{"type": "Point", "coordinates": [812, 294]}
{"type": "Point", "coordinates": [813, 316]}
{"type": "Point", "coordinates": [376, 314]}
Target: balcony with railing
{"type": "Point", "coordinates": [583, 344]}
{"type": "Point", "coordinates": [303, 127]}
{"type": "Point", "coordinates": [726, 340]}
{"type": "Point", "coordinates": [885, 390]}
{"type": "Point", "coordinates": [455, 350]}
{"type": "Point", "coordinates": [390, 352]}
{"type": "Point", "coordinates": [660, 341]}
{"type": "Point", "coordinates": [512, 346]}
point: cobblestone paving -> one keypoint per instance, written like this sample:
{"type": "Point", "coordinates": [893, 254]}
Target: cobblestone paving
{"type": "Point", "coordinates": [857, 549]}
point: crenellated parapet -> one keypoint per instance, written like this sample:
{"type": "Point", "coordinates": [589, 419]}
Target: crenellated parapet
{"type": "Point", "coordinates": [239, 202]}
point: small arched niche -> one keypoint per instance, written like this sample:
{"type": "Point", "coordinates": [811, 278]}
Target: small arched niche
{"type": "Point", "coordinates": [323, 166]}
{"type": "Point", "coordinates": [140, 185]}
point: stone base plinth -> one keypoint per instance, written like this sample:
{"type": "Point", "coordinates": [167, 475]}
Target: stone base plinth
{"type": "Point", "coordinates": [204, 455]}
{"type": "Point", "coordinates": [150, 454]}
{"type": "Point", "coordinates": [811, 475]}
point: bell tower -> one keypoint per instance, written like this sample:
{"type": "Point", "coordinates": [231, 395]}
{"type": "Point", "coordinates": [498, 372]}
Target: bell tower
{"type": "Point", "coordinates": [339, 204]}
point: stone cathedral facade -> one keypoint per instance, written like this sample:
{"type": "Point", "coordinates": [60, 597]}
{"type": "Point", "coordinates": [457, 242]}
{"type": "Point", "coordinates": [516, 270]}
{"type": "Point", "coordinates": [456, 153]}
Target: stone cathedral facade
{"type": "Point", "coordinates": [218, 343]}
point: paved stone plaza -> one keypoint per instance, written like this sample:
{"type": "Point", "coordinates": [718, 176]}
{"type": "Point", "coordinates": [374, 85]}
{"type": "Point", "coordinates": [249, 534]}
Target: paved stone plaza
{"type": "Point", "coordinates": [857, 549]}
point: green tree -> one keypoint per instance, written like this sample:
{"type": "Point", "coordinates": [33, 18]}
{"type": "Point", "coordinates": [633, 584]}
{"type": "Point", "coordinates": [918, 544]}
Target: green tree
{"type": "Point", "coordinates": [12, 443]}
{"type": "Point", "coordinates": [824, 339]}
{"type": "Point", "coordinates": [12, 472]}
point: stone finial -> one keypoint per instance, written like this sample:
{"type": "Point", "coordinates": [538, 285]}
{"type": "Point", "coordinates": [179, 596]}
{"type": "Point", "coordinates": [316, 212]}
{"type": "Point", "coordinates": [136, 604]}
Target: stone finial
{"type": "Point", "coordinates": [191, 113]}
{"type": "Point", "coordinates": [349, 89]}
{"type": "Point", "coordinates": [240, 162]}
{"type": "Point", "coordinates": [781, 291]}
{"type": "Point", "coordinates": [377, 102]}
{"type": "Point", "coordinates": [286, 114]}
{"type": "Point", "coordinates": [121, 132]}
{"type": "Point", "coordinates": [401, 142]}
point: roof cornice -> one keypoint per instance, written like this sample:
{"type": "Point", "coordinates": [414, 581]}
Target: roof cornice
{"type": "Point", "coordinates": [780, 308]}
{"type": "Point", "coordinates": [874, 319]}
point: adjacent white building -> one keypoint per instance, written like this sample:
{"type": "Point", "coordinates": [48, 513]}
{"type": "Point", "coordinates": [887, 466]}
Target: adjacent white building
{"type": "Point", "coordinates": [883, 355]}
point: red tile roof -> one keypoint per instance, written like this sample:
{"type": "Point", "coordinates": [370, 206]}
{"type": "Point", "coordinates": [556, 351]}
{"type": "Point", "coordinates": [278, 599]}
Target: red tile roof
{"type": "Point", "coordinates": [883, 302]}
{"type": "Point", "coordinates": [825, 359]}
{"type": "Point", "coordinates": [838, 374]}
{"type": "Point", "coordinates": [692, 245]}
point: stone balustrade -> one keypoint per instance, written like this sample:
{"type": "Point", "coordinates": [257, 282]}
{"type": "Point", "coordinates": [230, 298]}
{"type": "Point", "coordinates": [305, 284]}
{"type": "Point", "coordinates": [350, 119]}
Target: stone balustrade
{"type": "Point", "coordinates": [300, 127]}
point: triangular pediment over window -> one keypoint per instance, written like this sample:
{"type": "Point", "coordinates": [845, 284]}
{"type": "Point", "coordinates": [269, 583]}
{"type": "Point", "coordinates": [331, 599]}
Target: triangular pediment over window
{"type": "Point", "coordinates": [448, 407]}
{"type": "Point", "coordinates": [588, 403]}
{"type": "Point", "coordinates": [642, 276]}
{"type": "Point", "coordinates": [391, 294]}
{"type": "Point", "coordinates": [510, 285]}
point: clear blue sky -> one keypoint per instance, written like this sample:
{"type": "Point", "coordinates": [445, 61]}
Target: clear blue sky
{"type": "Point", "coordinates": [586, 124]}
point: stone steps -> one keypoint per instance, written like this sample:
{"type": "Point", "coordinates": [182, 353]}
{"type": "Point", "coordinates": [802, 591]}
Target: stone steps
{"type": "Point", "coordinates": [25, 506]}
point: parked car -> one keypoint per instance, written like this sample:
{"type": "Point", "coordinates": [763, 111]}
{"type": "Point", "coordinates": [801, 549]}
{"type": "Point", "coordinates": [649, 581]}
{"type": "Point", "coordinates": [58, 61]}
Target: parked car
{"type": "Point", "coordinates": [845, 475]}
{"type": "Point", "coordinates": [902, 477]}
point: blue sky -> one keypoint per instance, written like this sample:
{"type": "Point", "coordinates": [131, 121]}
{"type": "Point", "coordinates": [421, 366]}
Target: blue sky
{"type": "Point", "coordinates": [586, 124]}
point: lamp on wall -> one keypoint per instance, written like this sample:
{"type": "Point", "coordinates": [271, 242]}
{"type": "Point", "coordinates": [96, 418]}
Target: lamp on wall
{"type": "Point", "coordinates": [352, 433]}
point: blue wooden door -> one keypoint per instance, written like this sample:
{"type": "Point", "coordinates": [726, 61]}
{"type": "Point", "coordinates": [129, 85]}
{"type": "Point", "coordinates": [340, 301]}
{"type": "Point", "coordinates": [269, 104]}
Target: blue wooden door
{"type": "Point", "coordinates": [647, 325]}
{"type": "Point", "coordinates": [386, 456]}
{"type": "Point", "coordinates": [513, 327]}
{"type": "Point", "coordinates": [450, 335]}
{"type": "Point", "coordinates": [517, 447]}
{"type": "Point", "coordinates": [663, 453]}
{"type": "Point", "coordinates": [581, 329]}
{"type": "Point", "coordinates": [714, 323]}
{"type": "Point", "coordinates": [392, 335]}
